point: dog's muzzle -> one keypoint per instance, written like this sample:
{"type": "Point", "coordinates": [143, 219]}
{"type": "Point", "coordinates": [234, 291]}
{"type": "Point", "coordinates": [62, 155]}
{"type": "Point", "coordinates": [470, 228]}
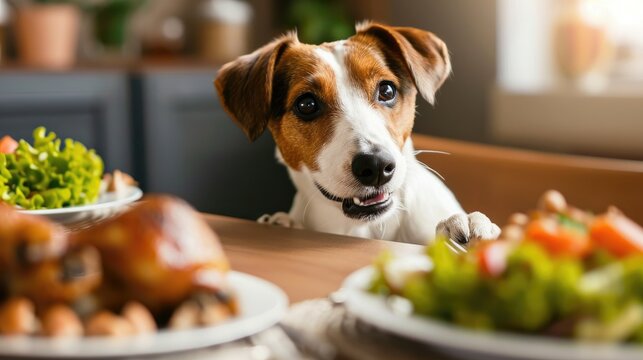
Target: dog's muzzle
{"type": "Point", "coordinates": [365, 208]}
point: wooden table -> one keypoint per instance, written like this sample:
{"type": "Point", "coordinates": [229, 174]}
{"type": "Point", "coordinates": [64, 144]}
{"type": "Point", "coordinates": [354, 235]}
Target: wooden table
{"type": "Point", "coordinates": [305, 264]}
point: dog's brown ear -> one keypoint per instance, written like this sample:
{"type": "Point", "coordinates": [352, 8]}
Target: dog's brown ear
{"type": "Point", "coordinates": [245, 86]}
{"type": "Point", "coordinates": [423, 54]}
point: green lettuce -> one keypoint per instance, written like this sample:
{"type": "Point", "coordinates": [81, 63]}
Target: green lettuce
{"type": "Point", "coordinates": [601, 298]}
{"type": "Point", "coordinates": [46, 176]}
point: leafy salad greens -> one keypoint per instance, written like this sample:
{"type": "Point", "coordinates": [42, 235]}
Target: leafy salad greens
{"type": "Point", "coordinates": [567, 274]}
{"type": "Point", "coordinates": [46, 176]}
{"type": "Point", "coordinates": [536, 293]}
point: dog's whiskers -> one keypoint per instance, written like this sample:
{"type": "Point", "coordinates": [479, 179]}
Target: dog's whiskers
{"type": "Point", "coordinates": [303, 216]}
{"type": "Point", "coordinates": [402, 209]}
{"type": "Point", "coordinates": [421, 151]}
{"type": "Point", "coordinates": [432, 170]}
{"type": "Point", "coordinates": [383, 230]}
{"type": "Point", "coordinates": [431, 152]}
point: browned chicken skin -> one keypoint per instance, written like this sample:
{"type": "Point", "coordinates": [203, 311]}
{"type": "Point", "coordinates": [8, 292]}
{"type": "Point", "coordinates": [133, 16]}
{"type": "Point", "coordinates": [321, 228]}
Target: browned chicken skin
{"type": "Point", "coordinates": [38, 262]}
{"type": "Point", "coordinates": [157, 261]}
{"type": "Point", "coordinates": [63, 280]}
{"type": "Point", "coordinates": [160, 252]}
{"type": "Point", "coordinates": [28, 239]}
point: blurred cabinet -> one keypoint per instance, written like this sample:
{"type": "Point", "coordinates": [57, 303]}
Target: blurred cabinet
{"type": "Point", "coordinates": [163, 125]}
{"type": "Point", "coordinates": [191, 148]}
{"type": "Point", "coordinates": [92, 107]}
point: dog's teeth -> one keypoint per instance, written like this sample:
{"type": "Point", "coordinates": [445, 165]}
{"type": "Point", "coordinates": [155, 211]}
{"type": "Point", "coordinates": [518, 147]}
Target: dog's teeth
{"type": "Point", "coordinates": [357, 201]}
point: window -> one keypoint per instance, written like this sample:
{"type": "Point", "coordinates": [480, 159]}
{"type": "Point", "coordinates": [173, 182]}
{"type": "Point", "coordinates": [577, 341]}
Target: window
{"type": "Point", "coordinates": [548, 43]}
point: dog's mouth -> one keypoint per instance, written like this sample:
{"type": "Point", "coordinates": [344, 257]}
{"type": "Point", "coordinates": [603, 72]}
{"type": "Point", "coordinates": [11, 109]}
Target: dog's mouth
{"type": "Point", "coordinates": [363, 208]}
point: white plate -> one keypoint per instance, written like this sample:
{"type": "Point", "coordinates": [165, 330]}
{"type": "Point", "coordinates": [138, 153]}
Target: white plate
{"type": "Point", "coordinates": [108, 204]}
{"type": "Point", "coordinates": [469, 344]}
{"type": "Point", "coordinates": [261, 303]}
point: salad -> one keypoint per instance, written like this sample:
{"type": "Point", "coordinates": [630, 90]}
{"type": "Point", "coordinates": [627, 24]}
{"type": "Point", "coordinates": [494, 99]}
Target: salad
{"type": "Point", "coordinates": [558, 271]}
{"type": "Point", "coordinates": [43, 175]}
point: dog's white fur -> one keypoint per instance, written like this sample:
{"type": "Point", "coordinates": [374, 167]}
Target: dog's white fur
{"type": "Point", "coordinates": [422, 202]}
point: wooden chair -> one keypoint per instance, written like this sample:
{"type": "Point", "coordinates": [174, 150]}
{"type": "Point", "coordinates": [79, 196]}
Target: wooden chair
{"type": "Point", "coordinates": [500, 181]}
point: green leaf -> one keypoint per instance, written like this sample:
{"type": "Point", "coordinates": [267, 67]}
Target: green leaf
{"type": "Point", "coordinates": [46, 176]}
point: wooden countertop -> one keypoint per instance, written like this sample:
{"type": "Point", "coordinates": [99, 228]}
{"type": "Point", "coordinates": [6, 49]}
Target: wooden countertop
{"type": "Point", "coordinates": [305, 264]}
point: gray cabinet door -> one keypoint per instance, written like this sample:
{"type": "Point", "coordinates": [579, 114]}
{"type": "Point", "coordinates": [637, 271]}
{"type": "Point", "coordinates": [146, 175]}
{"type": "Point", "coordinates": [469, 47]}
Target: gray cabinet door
{"type": "Point", "coordinates": [91, 107]}
{"type": "Point", "coordinates": [192, 149]}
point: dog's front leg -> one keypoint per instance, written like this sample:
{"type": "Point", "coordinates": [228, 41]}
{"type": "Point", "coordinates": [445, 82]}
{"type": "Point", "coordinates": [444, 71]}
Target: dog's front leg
{"type": "Point", "coordinates": [467, 228]}
{"type": "Point", "coordinates": [279, 219]}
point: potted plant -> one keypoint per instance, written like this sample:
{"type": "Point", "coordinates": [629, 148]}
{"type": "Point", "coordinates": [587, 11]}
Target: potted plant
{"type": "Point", "coordinates": [111, 21]}
{"type": "Point", "coordinates": [47, 32]}
{"type": "Point", "coordinates": [318, 21]}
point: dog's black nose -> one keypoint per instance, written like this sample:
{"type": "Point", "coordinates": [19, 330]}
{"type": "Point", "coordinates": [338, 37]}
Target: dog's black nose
{"type": "Point", "coordinates": [373, 169]}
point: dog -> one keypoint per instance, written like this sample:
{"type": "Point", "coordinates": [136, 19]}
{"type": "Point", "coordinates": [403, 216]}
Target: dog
{"type": "Point", "coordinates": [341, 115]}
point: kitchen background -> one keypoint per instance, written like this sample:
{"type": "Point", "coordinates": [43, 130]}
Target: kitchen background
{"type": "Point", "coordinates": [133, 79]}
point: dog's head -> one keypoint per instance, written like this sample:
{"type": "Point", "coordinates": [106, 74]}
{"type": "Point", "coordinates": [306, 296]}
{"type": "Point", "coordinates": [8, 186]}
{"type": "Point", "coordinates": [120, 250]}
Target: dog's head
{"type": "Point", "coordinates": [341, 113]}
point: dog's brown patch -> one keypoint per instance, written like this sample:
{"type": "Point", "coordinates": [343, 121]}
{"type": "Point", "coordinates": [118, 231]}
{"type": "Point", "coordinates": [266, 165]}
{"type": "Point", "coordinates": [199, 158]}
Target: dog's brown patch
{"type": "Point", "coordinates": [367, 66]}
{"type": "Point", "coordinates": [300, 71]}
{"type": "Point", "coordinates": [245, 86]}
{"type": "Point", "coordinates": [420, 54]}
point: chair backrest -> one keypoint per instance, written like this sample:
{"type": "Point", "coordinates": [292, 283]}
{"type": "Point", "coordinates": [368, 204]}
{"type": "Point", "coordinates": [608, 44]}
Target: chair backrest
{"type": "Point", "coordinates": [500, 181]}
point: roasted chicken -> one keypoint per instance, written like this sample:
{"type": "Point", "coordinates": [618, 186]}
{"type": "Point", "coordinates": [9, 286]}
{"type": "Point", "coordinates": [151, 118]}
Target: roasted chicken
{"type": "Point", "coordinates": [156, 263]}
{"type": "Point", "coordinates": [159, 252]}
{"type": "Point", "coordinates": [27, 240]}
{"type": "Point", "coordinates": [38, 262]}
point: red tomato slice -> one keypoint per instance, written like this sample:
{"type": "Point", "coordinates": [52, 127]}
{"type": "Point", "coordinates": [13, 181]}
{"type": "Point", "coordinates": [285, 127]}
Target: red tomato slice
{"type": "Point", "coordinates": [8, 145]}
{"type": "Point", "coordinates": [557, 239]}
{"type": "Point", "coordinates": [617, 234]}
{"type": "Point", "coordinates": [492, 257]}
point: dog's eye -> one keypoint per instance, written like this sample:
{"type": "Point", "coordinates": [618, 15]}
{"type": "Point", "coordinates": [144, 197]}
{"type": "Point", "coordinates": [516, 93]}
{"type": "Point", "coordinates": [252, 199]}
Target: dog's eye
{"type": "Point", "coordinates": [306, 107]}
{"type": "Point", "coordinates": [386, 92]}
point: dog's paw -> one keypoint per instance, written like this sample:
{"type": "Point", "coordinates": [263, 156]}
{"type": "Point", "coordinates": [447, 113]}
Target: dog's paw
{"type": "Point", "coordinates": [467, 228]}
{"type": "Point", "coordinates": [278, 218]}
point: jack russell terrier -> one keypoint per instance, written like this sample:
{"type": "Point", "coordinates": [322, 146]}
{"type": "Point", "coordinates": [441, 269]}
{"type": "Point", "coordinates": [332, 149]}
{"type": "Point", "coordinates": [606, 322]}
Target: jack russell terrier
{"type": "Point", "coordinates": [341, 115]}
